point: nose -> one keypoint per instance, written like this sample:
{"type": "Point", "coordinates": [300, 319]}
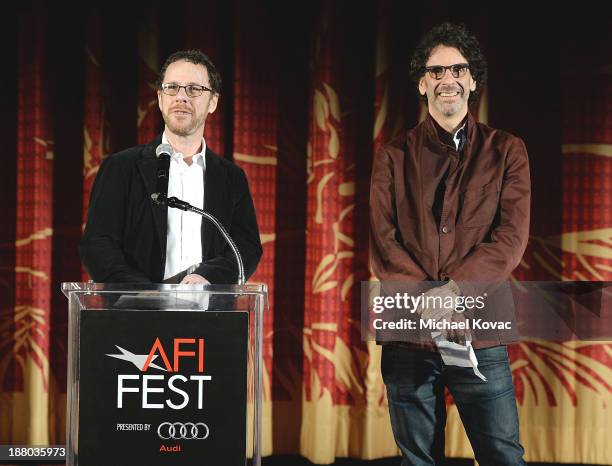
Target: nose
{"type": "Point", "coordinates": [447, 77]}
{"type": "Point", "coordinates": [182, 94]}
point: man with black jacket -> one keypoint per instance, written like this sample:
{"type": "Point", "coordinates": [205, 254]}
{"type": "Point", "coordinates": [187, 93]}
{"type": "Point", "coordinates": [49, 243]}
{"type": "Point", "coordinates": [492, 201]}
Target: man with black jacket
{"type": "Point", "coordinates": [128, 238]}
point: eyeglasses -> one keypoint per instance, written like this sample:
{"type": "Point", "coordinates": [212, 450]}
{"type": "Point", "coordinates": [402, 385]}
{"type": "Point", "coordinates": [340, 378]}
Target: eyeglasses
{"type": "Point", "coordinates": [437, 72]}
{"type": "Point", "coordinates": [192, 90]}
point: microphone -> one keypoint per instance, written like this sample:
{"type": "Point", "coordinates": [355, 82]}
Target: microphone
{"type": "Point", "coordinates": [182, 205]}
{"type": "Point", "coordinates": [163, 153]}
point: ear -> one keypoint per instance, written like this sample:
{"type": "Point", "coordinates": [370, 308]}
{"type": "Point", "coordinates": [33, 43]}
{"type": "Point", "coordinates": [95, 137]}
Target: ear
{"type": "Point", "coordinates": [472, 84]}
{"type": "Point", "coordinates": [422, 86]}
{"type": "Point", "coordinates": [159, 100]}
{"type": "Point", "coordinates": [212, 105]}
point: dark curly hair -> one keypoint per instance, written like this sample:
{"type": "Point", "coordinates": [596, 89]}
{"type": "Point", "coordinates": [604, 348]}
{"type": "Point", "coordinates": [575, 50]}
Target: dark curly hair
{"type": "Point", "coordinates": [451, 35]}
{"type": "Point", "coordinates": [197, 57]}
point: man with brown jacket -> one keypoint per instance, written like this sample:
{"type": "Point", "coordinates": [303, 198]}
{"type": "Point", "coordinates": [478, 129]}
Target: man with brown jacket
{"type": "Point", "coordinates": [450, 202]}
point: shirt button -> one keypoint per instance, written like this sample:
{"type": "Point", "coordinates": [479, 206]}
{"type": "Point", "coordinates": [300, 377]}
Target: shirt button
{"type": "Point", "coordinates": [444, 229]}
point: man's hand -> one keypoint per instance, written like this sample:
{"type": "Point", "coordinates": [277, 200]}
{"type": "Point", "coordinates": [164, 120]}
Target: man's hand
{"type": "Point", "coordinates": [446, 314]}
{"type": "Point", "coordinates": [458, 335]}
{"type": "Point", "coordinates": [448, 290]}
{"type": "Point", "coordinates": [194, 278]}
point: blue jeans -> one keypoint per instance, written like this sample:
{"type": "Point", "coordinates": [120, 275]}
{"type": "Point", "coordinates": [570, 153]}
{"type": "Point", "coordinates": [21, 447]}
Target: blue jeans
{"type": "Point", "coordinates": [415, 383]}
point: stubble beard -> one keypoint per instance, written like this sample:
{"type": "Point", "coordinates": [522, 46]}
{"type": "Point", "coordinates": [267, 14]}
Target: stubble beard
{"type": "Point", "coordinates": [182, 128]}
{"type": "Point", "coordinates": [450, 109]}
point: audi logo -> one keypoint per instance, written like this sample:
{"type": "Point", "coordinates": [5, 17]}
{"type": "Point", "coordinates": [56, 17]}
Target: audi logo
{"type": "Point", "coordinates": [183, 431]}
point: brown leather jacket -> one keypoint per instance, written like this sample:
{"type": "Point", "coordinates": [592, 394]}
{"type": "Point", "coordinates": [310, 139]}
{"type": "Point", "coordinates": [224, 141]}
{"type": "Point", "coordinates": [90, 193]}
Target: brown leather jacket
{"type": "Point", "coordinates": [436, 214]}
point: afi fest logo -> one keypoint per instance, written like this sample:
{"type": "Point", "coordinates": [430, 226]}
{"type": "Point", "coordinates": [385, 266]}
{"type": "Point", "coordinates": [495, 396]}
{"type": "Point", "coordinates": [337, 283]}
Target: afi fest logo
{"type": "Point", "coordinates": [152, 388]}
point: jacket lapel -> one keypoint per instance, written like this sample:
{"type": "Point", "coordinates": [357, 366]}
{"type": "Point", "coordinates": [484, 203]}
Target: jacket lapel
{"type": "Point", "coordinates": [215, 197]}
{"type": "Point", "coordinates": [147, 166]}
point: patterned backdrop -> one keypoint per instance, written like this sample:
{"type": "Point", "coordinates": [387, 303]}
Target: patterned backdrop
{"type": "Point", "coordinates": [310, 92]}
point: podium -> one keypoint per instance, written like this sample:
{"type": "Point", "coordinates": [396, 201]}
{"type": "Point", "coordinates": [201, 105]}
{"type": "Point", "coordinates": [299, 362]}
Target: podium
{"type": "Point", "coordinates": [164, 374]}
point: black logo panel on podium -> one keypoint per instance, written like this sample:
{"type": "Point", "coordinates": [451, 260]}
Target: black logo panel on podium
{"type": "Point", "coordinates": [162, 388]}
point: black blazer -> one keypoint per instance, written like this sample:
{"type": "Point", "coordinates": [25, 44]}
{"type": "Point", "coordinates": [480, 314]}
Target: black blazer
{"type": "Point", "coordinates": [125, 235]}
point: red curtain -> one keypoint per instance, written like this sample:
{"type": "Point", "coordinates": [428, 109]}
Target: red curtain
{"type": "Point", "coordinates": [26, 327]}
{"type": "Point", "coordinates": [255, 148]}
{"type": "Point", "coordinates": [215, 41]}
{"type": "Point", "coordinates": [149, 120]}
{"type": "Point", "coordinates": [96, 127]}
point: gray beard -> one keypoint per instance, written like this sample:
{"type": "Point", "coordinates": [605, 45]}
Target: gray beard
{"type": "Point", "coordinates": [450, 110]}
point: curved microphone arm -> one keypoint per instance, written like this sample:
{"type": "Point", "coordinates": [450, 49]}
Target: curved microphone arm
{"type": "Point", "coordinates": [182, 205]}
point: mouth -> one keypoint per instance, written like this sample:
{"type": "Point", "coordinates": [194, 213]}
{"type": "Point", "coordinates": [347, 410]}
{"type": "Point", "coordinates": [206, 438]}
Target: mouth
{"type": "Point", "coordinates": [181, 112]}
{"type": "Point", "coordinates": [448, 94]}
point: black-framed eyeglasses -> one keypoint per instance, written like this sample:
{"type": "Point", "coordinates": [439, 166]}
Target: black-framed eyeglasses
{"type": "Point", "coordinates": [192, 90]}
{"type": "Point", "coordinates": [457, 70]}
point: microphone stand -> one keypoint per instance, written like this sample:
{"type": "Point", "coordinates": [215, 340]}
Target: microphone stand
{"type": "Point", "coordinates": [176, 203]}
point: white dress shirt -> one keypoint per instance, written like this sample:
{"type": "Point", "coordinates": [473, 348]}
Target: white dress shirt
{"type": "Point", "coordinates": [456, 138]}
{"type": "Point", "coordinates": [184, 239]}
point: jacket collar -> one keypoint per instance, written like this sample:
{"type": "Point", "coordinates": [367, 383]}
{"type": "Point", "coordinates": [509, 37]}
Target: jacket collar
{"type": "Point", "coordinates": [215, 195]}
{"type": "Point", "coordinates": [433, 140]}
{"type": "Point", "coordinates": [147, 167]}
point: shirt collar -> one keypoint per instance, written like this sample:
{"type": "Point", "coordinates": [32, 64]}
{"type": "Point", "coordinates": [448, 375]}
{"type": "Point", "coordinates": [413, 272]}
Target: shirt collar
{"type": "Point", "coordinates": [450, 139]}
{"type": "Point", "coordinates": [458, 138]}
{"type": "Point", "coordinates": [178, 156]}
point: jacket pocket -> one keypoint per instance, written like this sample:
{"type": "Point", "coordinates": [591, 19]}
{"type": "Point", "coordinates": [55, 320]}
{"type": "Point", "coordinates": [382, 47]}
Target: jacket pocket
{"type": "Point", "coordinates": [479, 205]}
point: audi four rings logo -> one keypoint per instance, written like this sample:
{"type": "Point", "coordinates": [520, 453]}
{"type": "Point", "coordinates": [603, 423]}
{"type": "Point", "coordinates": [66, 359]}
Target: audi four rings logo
{"type": "Point", "coordinates": [183, 431]}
